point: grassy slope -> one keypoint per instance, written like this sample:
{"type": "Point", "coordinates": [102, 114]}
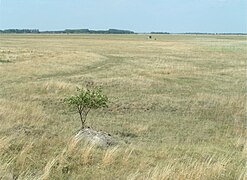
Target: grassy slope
{"type": "Point", "coordinates": [178, 102]}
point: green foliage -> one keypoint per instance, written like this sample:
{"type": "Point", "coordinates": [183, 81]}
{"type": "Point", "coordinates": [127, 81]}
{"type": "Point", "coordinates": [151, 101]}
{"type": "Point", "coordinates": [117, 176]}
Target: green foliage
{"type": "Point", "coordinates": [4, 61]}
{"type": "Point", "coordinates": [85, 100]}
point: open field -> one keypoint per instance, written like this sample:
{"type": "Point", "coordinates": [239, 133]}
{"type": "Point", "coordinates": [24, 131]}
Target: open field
{"type": "Point", "coordinates": [178, 103]}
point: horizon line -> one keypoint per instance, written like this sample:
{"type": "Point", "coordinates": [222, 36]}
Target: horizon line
{"type": "Point", "coordinates": [135, 32]}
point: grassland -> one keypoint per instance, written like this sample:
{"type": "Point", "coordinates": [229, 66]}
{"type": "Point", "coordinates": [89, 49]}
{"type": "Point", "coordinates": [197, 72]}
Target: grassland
{"type": "Point", "coordinates": [178, 103]}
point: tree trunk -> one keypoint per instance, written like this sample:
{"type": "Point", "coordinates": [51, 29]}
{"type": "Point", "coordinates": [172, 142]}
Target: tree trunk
{"type": "Point", "coordinates": [82, 121]}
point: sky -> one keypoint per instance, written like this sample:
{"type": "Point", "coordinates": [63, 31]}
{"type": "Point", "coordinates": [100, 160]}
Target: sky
{"type": "Point", "coordinates": [137, 15]}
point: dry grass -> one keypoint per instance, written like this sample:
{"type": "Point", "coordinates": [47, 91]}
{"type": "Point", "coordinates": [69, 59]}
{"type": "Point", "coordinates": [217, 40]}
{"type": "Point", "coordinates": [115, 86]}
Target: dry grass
{"type": "Point", "coordinates": [179, 104]}
{"type": "Point", "coordinates": [110, 156]}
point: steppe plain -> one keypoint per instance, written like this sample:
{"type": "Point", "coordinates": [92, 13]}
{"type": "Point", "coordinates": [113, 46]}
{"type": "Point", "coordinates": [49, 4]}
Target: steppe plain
{"type": "Point", "coordinates": [178, 103]}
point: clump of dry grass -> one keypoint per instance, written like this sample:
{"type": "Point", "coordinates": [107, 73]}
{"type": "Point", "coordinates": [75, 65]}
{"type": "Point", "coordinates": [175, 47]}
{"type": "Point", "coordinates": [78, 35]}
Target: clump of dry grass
{"type": "Point", "coordinates": [47, 169]}
{"type": "Point", "coordinates": [86, 154]}
{"type": "Point", "coordinates": [21, 158]}
{"type": "Point", "coordinates": [110, 156]}
{"type": "Point", "coordinates": [126, 156]}
{"type": "Point", "coordinates": [5, 143]}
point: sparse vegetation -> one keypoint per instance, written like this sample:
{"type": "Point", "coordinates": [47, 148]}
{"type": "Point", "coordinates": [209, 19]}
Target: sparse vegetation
{"type": "Point", "coordinates": [4, 61]}
{"type": "Point", "coordinates": [178, 103]}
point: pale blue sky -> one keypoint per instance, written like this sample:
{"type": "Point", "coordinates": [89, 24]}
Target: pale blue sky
{"type": "Point", "coordinates": [136, 15]}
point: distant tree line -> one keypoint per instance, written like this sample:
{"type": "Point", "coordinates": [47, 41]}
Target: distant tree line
{"type": "Point", "coordinates": [159, 33]}
{"type": "Point", "coordinates": [109, 31]}
{"type": "Point", "coordinates": [198, 33]}
{"type": "Point", "coordinates": [87, 31]}
{"type": "Point", "coordinates": [18, 31]}
{"type": "Point", "coordinates": [68, 31]}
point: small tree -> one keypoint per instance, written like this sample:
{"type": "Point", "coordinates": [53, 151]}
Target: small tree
{"type": "Point", "coordinates": [85, 100]}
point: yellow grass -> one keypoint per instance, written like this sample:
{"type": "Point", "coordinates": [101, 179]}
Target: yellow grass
{"type": "Point", "coordinates": [178, 105]}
